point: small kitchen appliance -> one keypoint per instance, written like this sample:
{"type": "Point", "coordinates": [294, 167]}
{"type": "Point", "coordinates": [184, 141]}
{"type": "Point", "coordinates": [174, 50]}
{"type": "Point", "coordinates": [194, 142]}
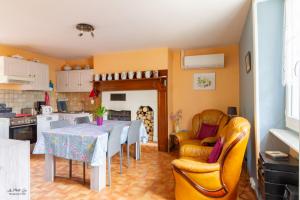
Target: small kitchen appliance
{"type": "Point", "coordinates": [46, 110]}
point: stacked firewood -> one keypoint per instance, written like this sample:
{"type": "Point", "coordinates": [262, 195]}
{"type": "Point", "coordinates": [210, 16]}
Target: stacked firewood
{"type": "Point", "coordinates": [145, 113]}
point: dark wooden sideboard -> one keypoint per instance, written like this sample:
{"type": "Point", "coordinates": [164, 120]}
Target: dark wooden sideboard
{"type": "Point", "coordinates": [275, 175]}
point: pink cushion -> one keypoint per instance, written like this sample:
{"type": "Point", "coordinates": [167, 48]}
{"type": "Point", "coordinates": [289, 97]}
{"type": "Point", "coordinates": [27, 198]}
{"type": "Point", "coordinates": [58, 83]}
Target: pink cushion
{"type": "Point", "coordinates": [216, 152]}
{"type": "Point", "coordinates": [207, 130]}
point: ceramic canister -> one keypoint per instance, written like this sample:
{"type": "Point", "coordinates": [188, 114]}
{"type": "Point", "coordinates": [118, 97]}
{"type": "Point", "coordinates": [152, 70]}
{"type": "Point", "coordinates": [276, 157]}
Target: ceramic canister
{"type": "Point", "coordinates": [109, 77]}
{"type": "Point", "coordinates": [103, 77]}
{"type": "Point", "coordinates": [97, 77]}
{"type": "Point", "coordinates": [139, 75]}
{"type": "Point", "coordinates": [147, 74]}
{"type": "Point", "coordinates": [116, 76]}
{"type": "Point", "coordinates": [155, 73]}
{"type": "Point", "coordinates": [123, 75]}
{"type": "Point", "coordinates": [130, 75]}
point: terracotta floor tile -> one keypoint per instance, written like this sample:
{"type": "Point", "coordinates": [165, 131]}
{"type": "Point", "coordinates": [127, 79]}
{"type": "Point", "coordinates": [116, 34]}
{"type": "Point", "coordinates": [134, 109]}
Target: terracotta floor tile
{"type": "Point", "coordinates": [150, 178]}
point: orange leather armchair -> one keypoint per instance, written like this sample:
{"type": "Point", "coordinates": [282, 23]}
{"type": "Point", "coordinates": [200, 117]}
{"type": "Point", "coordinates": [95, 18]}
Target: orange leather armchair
{"type": "Point", "coordinates": [211, 116]}
{"type": "Point", "coordinates": [196, 179]}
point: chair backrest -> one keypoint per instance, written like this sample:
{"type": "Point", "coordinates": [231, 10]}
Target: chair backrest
{"type": "Point", "coordinates": [210, 116]}
{"type": "Point", "coordinates": [114, 140]}
{"type": "Point", "coordinates": [82, 120]}
{"type": "Point", "coordinates": [236, 135]}
{"type": "Point", "coordinates": [59, 124]}
{"type": "Point", "coordinates": [134, 132]}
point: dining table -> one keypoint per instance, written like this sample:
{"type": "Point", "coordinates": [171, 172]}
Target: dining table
{"type": "Point", "coordinates": [85, 142]}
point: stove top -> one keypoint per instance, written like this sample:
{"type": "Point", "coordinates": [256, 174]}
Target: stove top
{"type": "Point", "coordinates": [22, 120]}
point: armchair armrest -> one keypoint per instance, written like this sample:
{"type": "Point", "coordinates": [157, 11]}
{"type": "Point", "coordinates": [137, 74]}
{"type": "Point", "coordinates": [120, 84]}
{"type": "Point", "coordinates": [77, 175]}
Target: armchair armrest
{"type": "Point", "coordinates": [195, 166]}
{"type": "Point", "coordinates": [209, 140]}
{"type": "Point", "coordinates": [190, 150]}
{"type": "Point", "coordinates": [184, 135]}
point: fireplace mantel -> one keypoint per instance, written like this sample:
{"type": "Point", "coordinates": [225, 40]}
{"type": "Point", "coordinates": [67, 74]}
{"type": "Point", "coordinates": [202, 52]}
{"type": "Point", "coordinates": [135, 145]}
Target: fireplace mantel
{"type": "Point", "coordinates": [159, 84]}
{"type": "Point", "coordinates": [133, 84]}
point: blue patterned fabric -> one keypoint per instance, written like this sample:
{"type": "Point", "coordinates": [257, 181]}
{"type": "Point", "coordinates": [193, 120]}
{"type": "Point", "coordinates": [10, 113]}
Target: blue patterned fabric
{"type": "Point", "coordinates": [83, 142]}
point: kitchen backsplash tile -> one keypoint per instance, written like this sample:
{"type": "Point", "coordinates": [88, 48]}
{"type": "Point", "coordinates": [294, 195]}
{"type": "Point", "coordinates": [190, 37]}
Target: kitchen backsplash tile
{"type": "Point", "coordinates": [18, 99]}
{"type": "Point", "coordinates": [78, 101]}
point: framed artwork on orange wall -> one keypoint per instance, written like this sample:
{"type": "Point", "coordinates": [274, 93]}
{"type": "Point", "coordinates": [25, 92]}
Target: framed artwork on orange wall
{"type": "Point", "coordinates": [204, 81]}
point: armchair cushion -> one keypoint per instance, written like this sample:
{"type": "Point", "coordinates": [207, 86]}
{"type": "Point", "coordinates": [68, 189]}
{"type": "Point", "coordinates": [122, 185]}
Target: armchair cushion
{"type": "Point", "coordinates": [216, 152]}
{"type": "Point", "coordinates": [207, 130]}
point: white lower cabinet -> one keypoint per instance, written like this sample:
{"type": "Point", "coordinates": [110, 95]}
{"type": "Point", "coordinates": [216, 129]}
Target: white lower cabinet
{"type": "Point", "coordinates": [43, 122]}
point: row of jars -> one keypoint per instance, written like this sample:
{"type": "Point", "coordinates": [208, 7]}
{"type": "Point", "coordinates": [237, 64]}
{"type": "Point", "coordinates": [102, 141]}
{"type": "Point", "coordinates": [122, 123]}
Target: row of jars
{"type": "Point", "coordinates": [125, 75]}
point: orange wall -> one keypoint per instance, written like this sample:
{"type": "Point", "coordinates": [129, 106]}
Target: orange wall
{"type": "Point", "coordinates": [131, 60]}
{"type": "Point", "coordinates": [82, 62]}
{"type": "Point", "coordinates": [181, 94]}
{"type": "Point", "coordinates": [192, 101]}
{"type": "Point", "coordinates": [54, 64]}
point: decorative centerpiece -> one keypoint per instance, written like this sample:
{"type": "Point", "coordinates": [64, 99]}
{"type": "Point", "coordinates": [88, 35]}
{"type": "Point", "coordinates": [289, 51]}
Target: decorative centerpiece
{"type": "Point", "coordinates": [176, 118]}
{"type": "Point", "coordinates": [100, 111]}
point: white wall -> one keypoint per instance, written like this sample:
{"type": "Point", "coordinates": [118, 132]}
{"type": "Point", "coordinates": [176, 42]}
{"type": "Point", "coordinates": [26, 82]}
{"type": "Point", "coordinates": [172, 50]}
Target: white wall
{"type": "Point", "coordinates": [134, 99]}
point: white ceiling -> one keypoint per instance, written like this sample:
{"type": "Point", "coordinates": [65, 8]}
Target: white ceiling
{"type": "Point", "coordinates": [48, 26]}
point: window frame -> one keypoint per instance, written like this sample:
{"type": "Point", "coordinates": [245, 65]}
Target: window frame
{"type": "Point", "coordinates": [290, 122]}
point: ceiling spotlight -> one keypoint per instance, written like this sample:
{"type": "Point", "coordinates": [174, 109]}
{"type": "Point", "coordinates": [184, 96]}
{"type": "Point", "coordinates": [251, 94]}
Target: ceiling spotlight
{"type": "Point", "coordinates": [82, 27]}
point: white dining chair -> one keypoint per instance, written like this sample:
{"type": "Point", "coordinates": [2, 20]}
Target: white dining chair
{"type": "Point", "coordinates": [113, 147]}
{"type": "Point", "coordinates": [133, 137]}
{"type": "Point", "coordinates": [82, 120]}
{"type": "Point", "coordinates": [61, 124]}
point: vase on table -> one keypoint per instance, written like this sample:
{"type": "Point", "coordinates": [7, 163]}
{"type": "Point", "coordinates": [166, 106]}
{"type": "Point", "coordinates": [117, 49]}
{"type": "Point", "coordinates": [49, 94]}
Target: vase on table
{"type": "Point", "coordinates": [99, 121]}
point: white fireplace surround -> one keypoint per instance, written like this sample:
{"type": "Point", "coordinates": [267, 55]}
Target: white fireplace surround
{"type": "Point", "coordinates": [134, 99]}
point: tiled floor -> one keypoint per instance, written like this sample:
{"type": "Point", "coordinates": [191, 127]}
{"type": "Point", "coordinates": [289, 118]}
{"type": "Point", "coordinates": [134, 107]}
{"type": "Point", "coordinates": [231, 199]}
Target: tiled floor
{"type": "Point", "coordinates": [149, 178]}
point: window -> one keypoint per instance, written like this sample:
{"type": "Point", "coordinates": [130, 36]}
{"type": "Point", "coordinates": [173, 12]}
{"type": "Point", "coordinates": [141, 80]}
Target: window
{"type": "Point", "coordinates": [291, 65]}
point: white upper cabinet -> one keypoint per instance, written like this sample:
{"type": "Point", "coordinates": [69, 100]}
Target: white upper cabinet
{"type": "Point", "coordinates": [62, 81]}
{"type": "Point", "coordinates": [15, 67]}
{"type": "Point", "coordinates": [86, 78]}
{"type": "Point", "coordinates": [74, 81]}
{"type": "Point", "coordinates": [40, 74]}
{"type": "Point", "coordinates": [31, 75]}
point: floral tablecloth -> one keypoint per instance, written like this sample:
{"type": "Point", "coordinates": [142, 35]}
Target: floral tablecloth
{"type": "Point", "coordinates": [82, 142]}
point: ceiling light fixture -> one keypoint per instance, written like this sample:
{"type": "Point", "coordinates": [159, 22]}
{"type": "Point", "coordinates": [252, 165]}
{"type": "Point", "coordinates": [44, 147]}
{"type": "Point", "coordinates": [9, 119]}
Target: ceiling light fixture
{"type": "Point", "coordinates": [82, 27]}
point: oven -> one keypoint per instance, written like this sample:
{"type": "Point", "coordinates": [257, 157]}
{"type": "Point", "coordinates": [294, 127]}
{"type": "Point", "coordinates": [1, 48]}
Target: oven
{"type": "Point", "coordinates": [23, 129]}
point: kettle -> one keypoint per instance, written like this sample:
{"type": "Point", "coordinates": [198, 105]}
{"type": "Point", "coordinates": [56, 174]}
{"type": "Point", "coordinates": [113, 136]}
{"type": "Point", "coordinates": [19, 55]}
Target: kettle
{"type": "Point", "coordinates": [46, 110]}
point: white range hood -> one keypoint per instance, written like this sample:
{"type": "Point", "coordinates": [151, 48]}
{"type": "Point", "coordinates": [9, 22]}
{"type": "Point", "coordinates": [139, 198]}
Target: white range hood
{"type": "Point", "coordinates": [15, 79]}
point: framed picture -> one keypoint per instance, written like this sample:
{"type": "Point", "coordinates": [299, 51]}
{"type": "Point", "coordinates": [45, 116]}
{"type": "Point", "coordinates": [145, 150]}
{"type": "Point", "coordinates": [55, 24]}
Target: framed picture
{"type": "Point", "coordinates": [248, 62]}
{"type": "Point", "coordinates": [204, 81]}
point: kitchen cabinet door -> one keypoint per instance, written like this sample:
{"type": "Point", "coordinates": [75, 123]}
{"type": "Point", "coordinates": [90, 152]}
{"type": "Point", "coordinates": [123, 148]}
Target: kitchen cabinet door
{"type": "Point", "coordinates": [15, 67]}
{"type": "Point", "coordinates": [62, 81]}
{"type": "Point", "coordinates": [74, 81]}
{"type": "Point", "coordinates": [86, 77]}
{"type": "Point", "coordinates": [40, 74]}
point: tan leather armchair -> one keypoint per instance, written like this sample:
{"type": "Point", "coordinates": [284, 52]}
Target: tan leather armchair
{"type": "Point", "coordinates": [196, 179]}
{"type": "Point", "coordinates": [211, 116]}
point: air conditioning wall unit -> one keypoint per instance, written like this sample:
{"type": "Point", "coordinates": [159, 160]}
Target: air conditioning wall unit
{"type": "Point", "coordinates": [202, 61]}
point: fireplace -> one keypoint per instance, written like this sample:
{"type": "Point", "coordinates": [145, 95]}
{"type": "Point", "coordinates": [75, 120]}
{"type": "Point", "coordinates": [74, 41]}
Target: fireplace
{"type": "Point", "coordinates": [121, 109]}
{"type": "Point", "coordinates": [146, 114]}
{"type": "Point", "coordinates": [123, 115]}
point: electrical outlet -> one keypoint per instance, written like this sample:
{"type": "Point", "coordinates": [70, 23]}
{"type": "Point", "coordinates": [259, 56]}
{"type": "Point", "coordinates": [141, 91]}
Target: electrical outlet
{"type": "Point", "coordinates": [252, 183]}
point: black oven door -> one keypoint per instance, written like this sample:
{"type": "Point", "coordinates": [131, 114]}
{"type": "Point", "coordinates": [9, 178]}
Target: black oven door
{"type": "Point", "coordinates": [23, 132]}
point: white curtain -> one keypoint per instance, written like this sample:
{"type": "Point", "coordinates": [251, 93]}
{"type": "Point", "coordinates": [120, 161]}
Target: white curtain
{"type": "Point", "coordinates": [291, 55]}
